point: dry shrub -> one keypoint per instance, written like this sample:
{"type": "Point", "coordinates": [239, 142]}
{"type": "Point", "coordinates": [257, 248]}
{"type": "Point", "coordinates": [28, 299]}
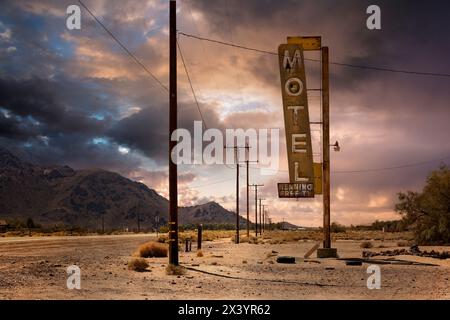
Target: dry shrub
{"type": "Point", "coordinates": [244, 261]}
{"type": "Point", "coordinates": [173, 270]}
{"type": "Point", "coordinates": [152, 249]}
{"type": "Point", "coordinates": [366, 245]}
{"type": "Point", "coordinates": [199, 253]}
{"type": "Point", "coordinates": [138, 264]}
{"type": "Point", "coordinates": [163, 239]}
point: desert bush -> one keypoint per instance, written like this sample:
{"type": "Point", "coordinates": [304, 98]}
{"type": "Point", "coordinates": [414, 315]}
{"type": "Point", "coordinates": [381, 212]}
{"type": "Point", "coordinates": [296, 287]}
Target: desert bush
{"type": "Point", "coordinates": [138, 264]}
{"type": "Point", "coordinates": [427, 212]}
{"type": "Point", "coordinates": [162, 239]}
{"type": "Point", "coordinates": [366, 245]}
{"type": "Point", "coordinates": [173, 270]}
{"type": "Point", "coordinates": [152, 249]}
{"type": "Point", "coordinates": [163, 229]}
{"type": "Point", "coordinates": [337, 228]}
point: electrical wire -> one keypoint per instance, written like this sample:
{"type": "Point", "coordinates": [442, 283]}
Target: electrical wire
{"type": "Point", "coordinates": [190, 84]}
{"type": "Point", "coordinates": [124, 47]}
{"type": "Point", "coordinates": [434, 74]}
{"type": "Point", "coordinates": [404, 166]}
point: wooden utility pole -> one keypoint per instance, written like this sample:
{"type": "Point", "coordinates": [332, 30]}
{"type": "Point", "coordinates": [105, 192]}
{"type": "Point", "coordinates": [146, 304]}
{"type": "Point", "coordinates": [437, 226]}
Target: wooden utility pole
{"type": "Point", "coordinates": [237, 187]}
{"type": "Point", "coordinates": [256, 206]}
{"type": "Point", "coordinates": [173, 179]}
{"type": "Point", "coordinates": [260, 215]}
{"type": "Point", "coordinates": [264, 217]}
{"type": "Point", "coordinates": [248, 200]}
{"type": "Point", "coordinates": [236, 157]}
{"type": "Point", "coordinates": [237, 200]}
{"type": "Point", "coordinates": [326, 148]}
{"type": "Point", "coordinates": [248, 213]}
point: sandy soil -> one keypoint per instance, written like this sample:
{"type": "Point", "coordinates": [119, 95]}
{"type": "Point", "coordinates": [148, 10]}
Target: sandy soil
{"type": "Point", "coordinates": [35, 268]}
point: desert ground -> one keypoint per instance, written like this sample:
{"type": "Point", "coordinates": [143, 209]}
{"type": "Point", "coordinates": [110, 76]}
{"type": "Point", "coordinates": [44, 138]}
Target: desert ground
{"type": "Point", "coordinates": [35, 268]}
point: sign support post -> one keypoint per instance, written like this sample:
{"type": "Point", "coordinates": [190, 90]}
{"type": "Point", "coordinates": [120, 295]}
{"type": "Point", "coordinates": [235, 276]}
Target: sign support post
{"type": "Point", "coordinates": [326, 148]}
{"type": "Point", "coordinates": [326, 251]}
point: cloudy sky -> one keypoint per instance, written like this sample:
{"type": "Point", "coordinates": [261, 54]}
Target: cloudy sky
{"type": "Point", "coordinates": [75, 97]}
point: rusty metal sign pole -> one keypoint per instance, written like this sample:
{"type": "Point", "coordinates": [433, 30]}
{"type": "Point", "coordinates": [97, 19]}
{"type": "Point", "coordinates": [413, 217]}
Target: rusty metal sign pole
{"type": "Point", "coordinates": [326, 148]}
{"type": "Point", "coordinates": [173, 179]}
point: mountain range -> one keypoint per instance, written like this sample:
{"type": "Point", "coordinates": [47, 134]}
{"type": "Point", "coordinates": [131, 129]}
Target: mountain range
{"type": "Point", "coordinates": [62, 196]}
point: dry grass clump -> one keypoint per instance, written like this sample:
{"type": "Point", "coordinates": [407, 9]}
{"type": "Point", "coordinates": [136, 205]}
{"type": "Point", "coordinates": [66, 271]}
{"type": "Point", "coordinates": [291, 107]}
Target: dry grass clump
{"type": "Point", "coordinates": [152, 249]}
{"type": "Point", "coordinates": [138, 264]}
{"type": "Point", "coordinates": [366, 245]}
{"type": "Point", "coordinates": [207, 235]}
{"type": "Point", "coordinates": [173, 270]}
{"type": "Point", "coordinates": [279, 236]}
{"type": "Point", "coordinates": [245, 239]}
{"type": "Point", "coordinates": [199, 253]}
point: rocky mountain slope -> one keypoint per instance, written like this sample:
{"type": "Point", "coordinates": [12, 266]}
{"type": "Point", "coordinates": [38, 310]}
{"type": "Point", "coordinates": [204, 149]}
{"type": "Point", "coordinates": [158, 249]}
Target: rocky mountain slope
{"type": "Point", "coordinates": [60, 195]}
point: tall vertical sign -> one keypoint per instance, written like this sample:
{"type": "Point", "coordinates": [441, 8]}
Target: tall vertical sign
{"type": "Point", "coordinates": [297, 126]}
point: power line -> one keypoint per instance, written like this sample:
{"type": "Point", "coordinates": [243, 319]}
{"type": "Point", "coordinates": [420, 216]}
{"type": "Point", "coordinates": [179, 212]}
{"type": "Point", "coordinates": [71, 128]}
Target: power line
{"type": "Point", "coordinates": [190, 84]}
{"type": "Point", "coordinates": [335, 172]}
{"type": "Point", "coordinates": [416, 164]}
{"type": "Point", "coordinates": [211, 183]}
{"type": "Point", "coordinates": [195, 96]}
{"type": "Point", "coordinates": [392, 168]}
{"type": "Point", "coordinates": [124, 47]}
{"type": "Point", "coordinates": [317, 60]}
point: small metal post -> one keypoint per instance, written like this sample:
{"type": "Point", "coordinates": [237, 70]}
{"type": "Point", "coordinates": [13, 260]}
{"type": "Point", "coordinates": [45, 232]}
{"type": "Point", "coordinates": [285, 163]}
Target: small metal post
{"type": "Point", "coordinates": [199, 236]}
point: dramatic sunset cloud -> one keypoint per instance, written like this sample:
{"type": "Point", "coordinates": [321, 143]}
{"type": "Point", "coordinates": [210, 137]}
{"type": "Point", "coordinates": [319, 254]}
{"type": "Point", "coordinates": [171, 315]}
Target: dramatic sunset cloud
{"type": "Point", "coordinates": [75, 97]}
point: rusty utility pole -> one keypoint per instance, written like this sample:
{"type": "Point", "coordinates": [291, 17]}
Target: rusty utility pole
{"type": "Point", "coordinates": [173, 179]}
{"type": "Point", "coordinates": [326, 147]}
{"type": "Point", "coordinates": [256, 206]}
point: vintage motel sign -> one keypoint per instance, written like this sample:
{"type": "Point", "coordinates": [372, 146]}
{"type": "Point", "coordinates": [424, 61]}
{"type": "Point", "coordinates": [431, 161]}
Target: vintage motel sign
{"type": "Point", "coordinates": [296, 120]}
{"type": "Point", "coordinates": [308, 43]}
{"type": "Point", "coordinates": [296, 190]}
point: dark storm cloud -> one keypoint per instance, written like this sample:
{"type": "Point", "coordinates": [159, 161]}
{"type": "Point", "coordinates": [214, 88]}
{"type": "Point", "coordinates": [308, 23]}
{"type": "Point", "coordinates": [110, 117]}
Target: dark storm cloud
{"type": "Point", "coordinates": [411, 36]}
{"type": "Point", "coordinates": [39, 102]}
{"type": "Point", "coordinates": [147, 130]}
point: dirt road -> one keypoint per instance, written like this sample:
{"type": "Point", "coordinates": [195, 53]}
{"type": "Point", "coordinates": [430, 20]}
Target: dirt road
{"type": "Point", "coordinates": [35, 268]}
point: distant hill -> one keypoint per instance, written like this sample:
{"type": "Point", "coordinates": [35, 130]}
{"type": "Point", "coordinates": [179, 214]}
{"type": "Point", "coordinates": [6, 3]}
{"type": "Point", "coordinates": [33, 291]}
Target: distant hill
{"type": "Point", "coordinates": [208, 213]}
{"type": "Point", "coordinates": [60, 195]}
